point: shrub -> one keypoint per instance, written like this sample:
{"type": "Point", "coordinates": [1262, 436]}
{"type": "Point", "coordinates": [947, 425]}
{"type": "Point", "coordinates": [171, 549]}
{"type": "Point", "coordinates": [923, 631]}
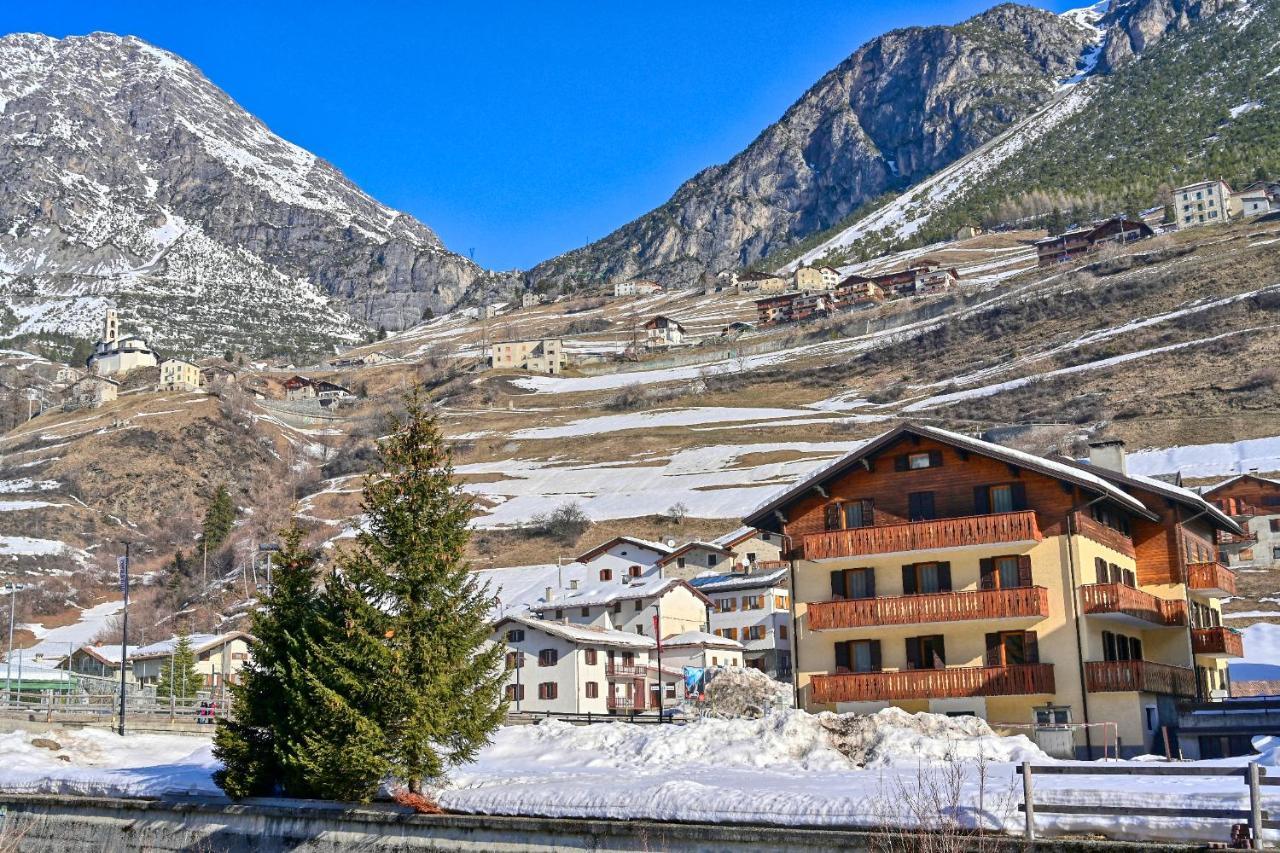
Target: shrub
{"type": "Point", "coordinates": [565, 524]}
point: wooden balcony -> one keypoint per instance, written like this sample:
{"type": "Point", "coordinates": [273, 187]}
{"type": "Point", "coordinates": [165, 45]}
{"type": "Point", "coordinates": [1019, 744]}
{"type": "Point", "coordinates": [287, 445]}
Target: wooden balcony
{"type": "Point", "coordinates": [1091, 528]}
{"type": "Point", "coordinates": [621, 703]}
{"type": "Point", "coordinates": [1225, 538]}
{"type": "Point", "coordinates": [1128, 676]}
{"type": "Point", "coordinates": [1127, 604]}
{"type": "Point", "coordinates": [1016, 603]}
{"type": "Point", "coordinates": [953, 683]}
{"type": "Point", "coordinates": [624, 670]}
{"type": "Point", "coordinates": [922, 535]}
{"type": "Point", "coordinates": [1212, 579]}
{"type": "Point", "coordinates": [1217, 642]}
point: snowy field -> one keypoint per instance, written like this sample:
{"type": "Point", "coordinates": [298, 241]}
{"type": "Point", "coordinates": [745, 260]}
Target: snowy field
{"type": "Point", "coordinates": [788, 768]}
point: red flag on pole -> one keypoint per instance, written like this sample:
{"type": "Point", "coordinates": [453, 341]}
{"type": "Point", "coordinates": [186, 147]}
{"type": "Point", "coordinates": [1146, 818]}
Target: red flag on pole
{"type": "Point", "coordinates": [656, 633]}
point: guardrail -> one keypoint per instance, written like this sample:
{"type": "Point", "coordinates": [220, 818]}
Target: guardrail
{"type": "Point", "coordinates": [1254, 818]}
{"type": "Point", "coordinates": [103, 709]}
{"type": "Point", "coordinates": [589, 718]}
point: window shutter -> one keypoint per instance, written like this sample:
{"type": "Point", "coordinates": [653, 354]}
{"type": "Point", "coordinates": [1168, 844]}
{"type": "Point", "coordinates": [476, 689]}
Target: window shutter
{"type": "Point", "coordinates": [1135, 648]}
{"type": "Point", "coordinates": [939, 649]}
{"type": "Point", "coordinates": [987, 573]}
{"type": "Point", "coordinates": [875, 656]}
{"type": "Point", "coordinates": [993, 649]}
{"type": "Point", "coordinates": [900, 463]}
{"type": "Point", "coordinates": [1100, 566]}
{"type": "Point", "coordinates": [935, 458]}
{"type": "Point", "coordinates": [1109, 646]}
{"type": "Point", "coordinates": [832, 516]}
{"type": "Point", "coordinates": [981, 500]}
{"type": "Point", "coordinates": [868, 513]}
{"type": "Point", "coordinates": [1024, 570]}
{"type": "Point", "coordinates": [837, 585]}
{"type": "Point", "coordinates": [1031, 646]}
{"type": "Point", "coordinates": [908, 580]}
{"type": "Point", "coordinates": [944, 577]}
{"type": "Point", "coordinates": [1019, 496]}
{"type": "Point", "coordinates": [913, 653]}
{"type": "Point", "coordinates": [842, 657]}
{"type": "Point", "coordinates": [870, 575]}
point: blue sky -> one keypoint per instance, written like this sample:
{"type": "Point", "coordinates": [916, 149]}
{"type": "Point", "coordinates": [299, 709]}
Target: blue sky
{"type": "Point", "coordinates": [515, 129]}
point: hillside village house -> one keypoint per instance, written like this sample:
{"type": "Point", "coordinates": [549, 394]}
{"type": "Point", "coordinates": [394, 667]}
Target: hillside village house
{"type": "Point", "coordinates": [938, 572]}
{"type": "Point", "coordinates": [219, 658]}
{"type": "Point", "coordinates": [1254, 502]}
{"type": "Point", "coordinates": [792, 307]}
{"type": "Point", "coordinates": [98, 662]}
{"type": "Point", "coordinates": [919, 278]}
{"type": "Point", "coordinates": [736, 551]}
{"type": "Point", "coordinates": [761, 281]}
{"type": "Point", "coordinates": [299, 388]}
{"type": "Point", "coordinates": [636, 287]}
{"type": "Point", "coordinates": [816, 278]}
{"type": "Point", "coordinates": [857, 292]}
{"type": "Point", "coordinates": [1079, 242]}
{"type": "Point", "coordinates": [115, 355]}
{"type": "Point", "coordinates": [698, 650]}
{"type": "Point", "coordinates": [1254, 200]}
{"type": "Point", "coordinates": [1203, 203]}
{"type": "Point", "coordinates": [91, 392]}
{"type": "Point", "coordinates": [178, 375]}
{"type": "Point", "coordinates": [753, 608]}
{"type": "Point", "coordinates": [663, 332]}
{"type": "Point", "coordinates": [67, 375]}
{"type": "Point", "coordinates": [536, 355]}
{"type": "Point", "coordinates": [529, 299]}
{"type": "Point", "coordinates": [366, 360]}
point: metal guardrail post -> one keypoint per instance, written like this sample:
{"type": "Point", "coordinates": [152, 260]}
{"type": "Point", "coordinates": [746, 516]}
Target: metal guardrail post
{"type": "Point", "coordinates": [1255, 804]}
{"type": "Point", "coordinates": [1029, 808]}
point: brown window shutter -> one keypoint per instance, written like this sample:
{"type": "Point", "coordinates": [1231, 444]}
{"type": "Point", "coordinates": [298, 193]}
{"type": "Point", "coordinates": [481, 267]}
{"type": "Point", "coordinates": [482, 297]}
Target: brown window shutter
{"type": "Point", "coordinates": [1031, 645]}
{"type": "Point", "coordinates": [909, 580]}
{"type": "Point", "coordinates": [944, 577]}
{"type": "Point", "coordinates": [875, 656]}
{"type": "Point", "coordinates": [1100, 566]}
{"type": "Point", "coordinates": [1019, 496]}
{"type": "Point", "coordinates": [901, 463]}
{"type": "Point", "coordinates": [913, 653]}
{"type": "Point", "coordinates": [993, 650]}
{"type": "Point", "coordinates": [870, 575]}
{"type": "Point", "coordinates": [837, 585]}
{"type": "Point", "coordinates": [832, 516]}
{"type": "Point", "coordinates": [1024, 570]}
{"type": "Point", "coordinates": [935, 458]}
{"type": "Point", "coordinates": [843, 657]}
{"type": "Point", "coordinates": [868, 513]}
{"type": "Point", "coordinates": [987, 573]}
{"type": "Point", "coordinates": [981, 500]}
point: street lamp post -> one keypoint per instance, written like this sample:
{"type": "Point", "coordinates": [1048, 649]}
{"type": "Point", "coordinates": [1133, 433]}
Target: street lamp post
{"type": "Point", "coordinates": [123, 565]}
{"type": "Point", "coordinates": [8, 658]}
{"type": "Point", "coordinates": [269, 548]}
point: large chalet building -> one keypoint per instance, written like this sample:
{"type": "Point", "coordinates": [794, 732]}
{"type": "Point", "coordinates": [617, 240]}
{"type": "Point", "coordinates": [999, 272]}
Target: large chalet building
{"type": "Point", "coordinates": [1254, 502]}
{"type": "Point", "coordinates": [937, 572]}
{"type": "Point", "coordinates": [1078, 242]}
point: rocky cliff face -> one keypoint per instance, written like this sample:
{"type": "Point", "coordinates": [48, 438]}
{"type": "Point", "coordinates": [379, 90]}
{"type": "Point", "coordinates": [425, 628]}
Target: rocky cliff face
{"type": "Point", "coordinates": [901, 107]}
{"type": "Point", "coordinates": [127, 178]}
{"type": "Point", "coordinates": [1136, 25]}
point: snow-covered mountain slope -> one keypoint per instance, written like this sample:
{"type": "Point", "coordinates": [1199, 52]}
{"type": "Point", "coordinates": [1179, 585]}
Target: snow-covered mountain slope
{"type": "Point", "coordinates": [131, 179]}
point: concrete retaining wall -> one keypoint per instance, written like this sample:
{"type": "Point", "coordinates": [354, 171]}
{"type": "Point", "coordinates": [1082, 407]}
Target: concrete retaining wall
{"type": "Point", "coordinates": [51, 824]}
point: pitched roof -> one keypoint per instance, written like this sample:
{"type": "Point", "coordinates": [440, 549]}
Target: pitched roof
{"type": "Point", "coordinates": [1248, 476]}
{"type": "Point", "coordinates": [763, 515]}
{"type": "Point", "coordinates": [656, 547]}
{"type": "Point", "coordinates": [1186, 497]}
{"type": "Point", "coordinates": [607, 592]}
{"type": "Point", "coordinates": [689, 546]}
{"type": "Point", "coordinates": [199, 643]}
{"type": "Point", "coordinates": [711, 584]}
{"type": "Point", "coordinates": [701, 638]}
{"type": "Point", "coordinates": [737, 536]}
{"type": "Point", "coordinates": [590, 634]}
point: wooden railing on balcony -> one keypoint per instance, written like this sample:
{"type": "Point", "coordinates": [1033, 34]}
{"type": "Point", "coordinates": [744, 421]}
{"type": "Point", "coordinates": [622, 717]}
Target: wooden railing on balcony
{"type": "Point", "coordinates": [624, 669]}
{"type": "Point", "coordinates": [1225, 538]}
{"type": "Point", "coordinates": [1211, 576]}
{"type": "Point", "coordinates": [954, 683]}
{"type": "Point", "coordinates": [1089, 527]}
{"type": "Point", "coordinates": [620, 703]}
{"type": "Point", "coordinates": [1125, 676]}
{"type": "Point", "coordinates": [1018, 602]}
{"type": "Point", "coordinates": [1217, 641]}
{"type": "Point", "coordinates": [922, 535]}
{"type": "Point", "coordinates": [1106, 598]}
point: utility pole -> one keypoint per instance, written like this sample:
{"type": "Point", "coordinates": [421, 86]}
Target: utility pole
{"type": "Point", "coordinates": [8, 658]}
{"type": "Point", "coordinates": [268, 548]}
{"type": "Point", "coordinates": [123, 564]}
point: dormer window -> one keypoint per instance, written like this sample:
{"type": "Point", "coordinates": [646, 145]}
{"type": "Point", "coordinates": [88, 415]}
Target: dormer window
{"type": "Point", "coordinates": [634, 571]}
{"type": "Point", "coordinates": [606, 574]}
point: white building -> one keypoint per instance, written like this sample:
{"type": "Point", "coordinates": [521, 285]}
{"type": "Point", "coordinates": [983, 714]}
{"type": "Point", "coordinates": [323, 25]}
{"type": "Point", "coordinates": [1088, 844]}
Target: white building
{"type": "Point", "coordinates": [177, 374]}
{"type": "Point", "coordinates": [664, 332]}
{"type": "Point", "coordinates": [115, 355]}
{"type": "Point", "coordinates": [219, 658]}
{"type": "Point", "coordinates": [755, 610]}
{"type": "Point", "coordinates": [1204, 203]}
{"type": "Point", "coordinates": [1253, 200]}
{"type": "Point", "coordinates": [636, 287]}
{"type": "Point", "coordinates": [700, 650]}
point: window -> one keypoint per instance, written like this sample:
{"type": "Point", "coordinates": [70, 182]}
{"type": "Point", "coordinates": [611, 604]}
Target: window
{"type": "Point", "coordinates": [726, 605]}
{"type": "Point", "coordinates": [1117, 647]}
{"type": "Point", "coordinates": [780, 602]}
{"type": "Point", "coordinates": [1004, 572]}
{"type": "Point", "coordinates": [639, 605]}
{"type": "Point", "coordinates": [617, 607]}
{"type": "Point", "coordinates": [559, 613]}
{"type": "Point", "coordinates": [586, 611]}
{"type": "Point", "coordinates": [920, 506]}
{"type": "Point", "coordinates": [1053, 716]}
{"type": "Point", "coordinates": [548, 690]}
{"type": "Point", "coordinates": [924, 578]}
{"type": "Point", "coordinates": [548, 657]}
{"type": "Point", "coordinates": [515, 636]}
{"type": "Point", "coordinates": [1110, 517]}
{"type": "Point", "coordinates": [590, 657]}
{"type": "Point", "coordinates": [754, 632]}
{"type": "Point", "coordinates": [606, 574]}
{"type": "Point", "coordinates": [1002, 497]}
{"type": "Point", "coordinates": [515, 660]}
{"type": "Point", "coordinates": [858, 513]}
{"type": "Point", "coordinates": [1150, 717]}
{"type": "Point", "coordinates": [640, 630]}
{"type": "Point", "coordinates": [916, 461]}
{"type": "Point", "coordinates": [784, 632]}
{"type": "Point", "coordinates": [753, 602]}
{"type": "Point", "coordinates": [680, 562]}
{"type": "Point", "coordinates": [670, 690]}
{"type": "Point", "coordinates": [515, 692]}
{"type": "Point", "coordinates": [635, 571]}
{"type": "Point", "coordinates": [591, 690]}
{"type": "Point", "coordinates": [628, 659]}
{"type": "Point", "coordinates": [1012, 648]}
{"type": "Point", "coordinates": [853, 583]}
{"type": "Point", "coordinates": [858, 656]}
{"type": "Point", "coordinates": [1275, 525]}
{"type": "Point", "coordinates": [1275, 553]}
{"type": "Point", "coordinates": [727, 633]}
{"type": "Point", "coordinates": [712, 559]}
{"type": "Point", "coordinates": [926, 652]}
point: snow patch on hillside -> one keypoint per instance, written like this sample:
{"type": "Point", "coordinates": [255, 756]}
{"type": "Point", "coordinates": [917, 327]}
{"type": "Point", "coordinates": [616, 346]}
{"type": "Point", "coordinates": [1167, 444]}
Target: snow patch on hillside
{"type": "Point", "coordinates": [1210, 460]}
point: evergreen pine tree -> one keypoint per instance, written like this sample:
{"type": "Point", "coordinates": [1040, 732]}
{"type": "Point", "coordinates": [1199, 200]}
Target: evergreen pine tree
{"type": "Point", "coordinates": [218, 519]}
{"type": "Point", "coordinates": [180, 679]}
{"type": "Point", "coordinates": [406, 597]}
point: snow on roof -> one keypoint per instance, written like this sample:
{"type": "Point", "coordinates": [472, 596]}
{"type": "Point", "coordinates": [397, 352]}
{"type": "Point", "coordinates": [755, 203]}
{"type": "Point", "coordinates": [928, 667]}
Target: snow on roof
{"type": "Point", "coordinates": [607, 592]}
{"type": "Point", "coordinates": [198, 643]}
{"type": "Point", "coordinates": [1230, 480]}
{"type": "Point", "coordinates": [701, 638]}
{"type": "Point", "coordinates": [1177, 493]}
{"type": "Point", "coordinates": [723, 583]}
{"type": "Point", "coordinates": [732, 538]}
{"type": "Point", "coordinates": [656, 547]}
{"type": "Point", "coordinates": [689, 546]}
{"type": "Point", "coordinates": [583, 633]}
{"type": "Point", "coordinates": [1050, 467]}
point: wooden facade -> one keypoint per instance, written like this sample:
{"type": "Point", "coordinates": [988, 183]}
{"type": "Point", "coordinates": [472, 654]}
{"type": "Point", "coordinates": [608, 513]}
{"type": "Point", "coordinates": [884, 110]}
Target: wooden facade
{"type": "Point", "coordinates": [1013, 603]}
{"type": "Point", "coordinates": [946, 683]}
{"type": "Point", "coordinates": [1211, 579]}
{"type": "Point", "coordinates": [1217, 641]}
{"type": "Point", "coordinates": [1120, 600]}
{"type": "Point", "coordinates": [1128, 676]}
{"type": "Point", "coordinates": [921, 535]}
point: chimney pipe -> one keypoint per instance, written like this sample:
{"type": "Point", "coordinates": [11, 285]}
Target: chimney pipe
{"type": "Point", "coordinates": [1109, 454]}
{"type": "Point", "coordinates": [548, 594]}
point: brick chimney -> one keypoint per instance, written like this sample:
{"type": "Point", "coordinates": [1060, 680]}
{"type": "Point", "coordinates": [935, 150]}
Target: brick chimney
{"type": "Point", "coordinates": [1109, 454]}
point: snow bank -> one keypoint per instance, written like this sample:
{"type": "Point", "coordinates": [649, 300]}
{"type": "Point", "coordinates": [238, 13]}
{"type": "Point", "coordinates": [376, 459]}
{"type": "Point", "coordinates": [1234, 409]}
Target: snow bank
{"type": "Point", "coordinates": [893, 736]}
{"type": "Point", "coordinates": [743, 692]}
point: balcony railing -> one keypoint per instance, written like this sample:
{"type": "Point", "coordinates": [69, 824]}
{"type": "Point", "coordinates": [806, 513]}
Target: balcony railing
{"type": "Point", "coordinates": [1225, 538]}
{"type": "Point", "coordinates": [625, 669]}
{"type": "Point", "coordinates": [1211, 578]}
{"type": "Point", "coordinates": [1018, 602]}
{"type": "Point", "coordinates": [1129, 676]}
{"type": "Point", "coordinates": [1116, 599]}
{"type": "Point", "coordinates": [1217, 641]}
{"type": "Point", "coordinates": [922, 535]}
{"type": "Point", "coordinates": [621, 703]}
{"type": "Point", "coordinates": [1091, 528]}
{"type": "Point", "coordinates": [954, 683]}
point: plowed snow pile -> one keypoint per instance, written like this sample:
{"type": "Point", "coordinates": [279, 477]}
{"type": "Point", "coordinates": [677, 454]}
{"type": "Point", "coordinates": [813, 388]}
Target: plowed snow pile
{"type": "Point", "coordinates": [893, 736]}
{"type": "Point", "coordinates": [743, 692]}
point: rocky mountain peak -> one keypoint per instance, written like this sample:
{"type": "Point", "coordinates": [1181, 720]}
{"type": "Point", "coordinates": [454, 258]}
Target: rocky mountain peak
{"type": "Point", "coordinates": [1134, 26]}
